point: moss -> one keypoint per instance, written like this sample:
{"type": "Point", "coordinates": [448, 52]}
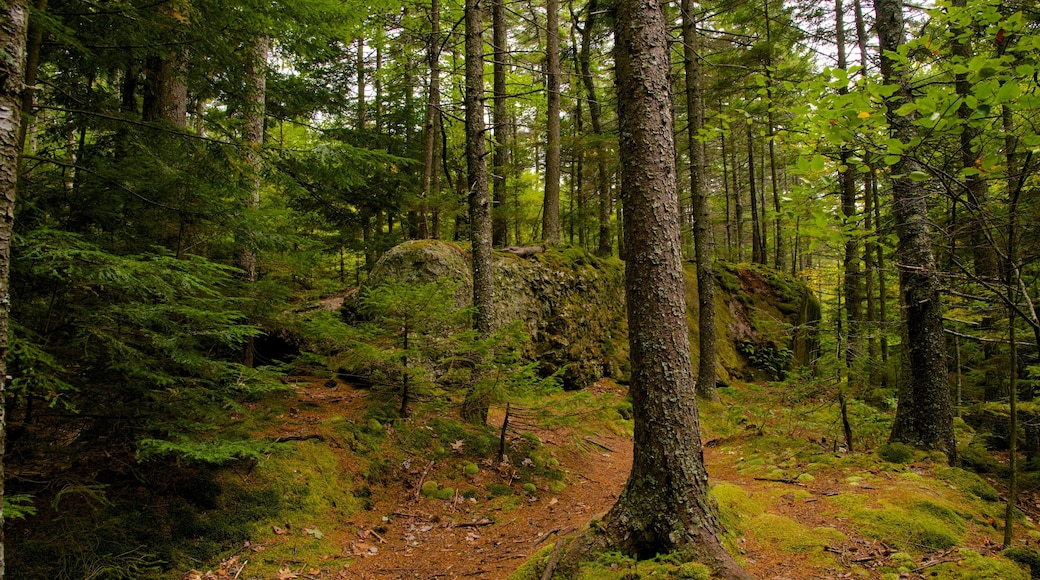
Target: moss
{"type": "Point", "coordinates": [499, 490]}
{"type": "Point", "coordinates": [530, 488]}
{"type": "Point", "coordinates": [429, 489]}
{"type": "Point", "coordinates": [470, 469]}
{"type": "Point", "coordinates": [736, 506]}
{"type": "Point", "coordinates": [792, 537]}
{"type": "Point", "coordinates": [1029, 557]}
{"type": "Point", "coordinates": [973, 565]}
{"type": "Point", "coordinates": [533, 567]}
{"type": "Point", "coordinates": [445, 493]}
{"type": "Point", "coordinates": [896, 453]}
{"type": "Point", "coordinates": [968, 482]}
{"type": "Point", "coordinates": [908, 523]}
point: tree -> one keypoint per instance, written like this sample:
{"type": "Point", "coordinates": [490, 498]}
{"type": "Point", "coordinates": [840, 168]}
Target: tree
{"type": "Point", "coordinates": [551, 231]}
{"type": "Point", "coordinates": [12, 47]}
{"type": "Point", "coordinates": [924, 415]}
{"type": "Point", "coordinates": [475, 407]}
{"type": "Point", "coordinates": [699, 208]}
{"type": "Point", "coordinates": [664, 506]}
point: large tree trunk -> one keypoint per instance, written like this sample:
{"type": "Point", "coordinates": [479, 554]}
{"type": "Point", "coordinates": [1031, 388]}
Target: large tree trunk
{"type": "Point", "coordinates": [476, 406]}
{"type": "Point", "coordinates": [551, 231]}
{"type": "Point", "coordinates": [699, 206]}
{"type": "Point", "coordinates": [924, 415]}
{"type": "Point", "coordinates": [12, 45]}
{"type": "Point", "coordinates": [664, 506]}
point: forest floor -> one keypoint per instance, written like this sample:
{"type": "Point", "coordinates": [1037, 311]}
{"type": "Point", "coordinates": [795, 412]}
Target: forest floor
{"type": "Point", "coordinates": [795, 507]}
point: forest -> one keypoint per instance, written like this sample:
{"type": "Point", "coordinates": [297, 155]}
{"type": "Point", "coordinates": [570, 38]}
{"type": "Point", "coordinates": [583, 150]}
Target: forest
{"type": "Point", "coordinates": [519, 289]}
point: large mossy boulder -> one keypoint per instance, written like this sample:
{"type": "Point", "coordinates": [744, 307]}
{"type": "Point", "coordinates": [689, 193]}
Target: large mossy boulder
{"type": "Point", "coordinates": [571, 302]}
{"type": "Point", "coordinates": [573, 306]}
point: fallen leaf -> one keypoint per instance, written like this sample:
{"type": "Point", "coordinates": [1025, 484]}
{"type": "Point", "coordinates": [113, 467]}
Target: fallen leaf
{"type": "Point", "coordinates": [458, 445]}
{"type": "Point", "coordinates": [286, 574]}
{"type": "Point", "coordinates": [314, 533]}
{"type": "Point", "coordinates": [278, 531]}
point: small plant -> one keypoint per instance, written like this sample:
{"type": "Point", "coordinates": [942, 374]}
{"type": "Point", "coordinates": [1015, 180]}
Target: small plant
{"type": "Point", "coordinates": [766, 356]}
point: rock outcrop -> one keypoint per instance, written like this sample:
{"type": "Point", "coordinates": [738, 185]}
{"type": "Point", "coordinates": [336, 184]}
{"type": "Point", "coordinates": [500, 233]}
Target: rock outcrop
{"type": "Point", "coordinates": [572, 304]}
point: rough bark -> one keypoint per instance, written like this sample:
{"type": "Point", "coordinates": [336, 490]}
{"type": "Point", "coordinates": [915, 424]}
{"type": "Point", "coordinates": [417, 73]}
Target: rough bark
{"type": "Point", "coordinates": [924, 415]}
{"type": "Point", "coordinates": [605, 246]}
{"type": "Point", "coordinates": [433, 98]}
{"type": "Point", "coordinates": [758, 253]}
{"type": "Point", "coordinates": [664, 506]}
{"type": "Point", "coordinates": [500, 155]}
{"type": "Point", "coordinates": [12, 71]}
{"type": "Point", "coordinates": [850, 263]}
{"type": "Point", "coordinates": [551, 231]}
{"type": "Point", "coordinates": [253, 141]}
{"type": "Point", "coordinates": [475, 408]}
{"type": "Point", "coordinates": [34, 41]}
{"type": "Point", "coordinates": [699, 206]}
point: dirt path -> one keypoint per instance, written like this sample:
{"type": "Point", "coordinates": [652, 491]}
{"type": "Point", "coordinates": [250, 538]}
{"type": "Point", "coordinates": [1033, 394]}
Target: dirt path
{"type": "Point", "coordinates": [426, 538]}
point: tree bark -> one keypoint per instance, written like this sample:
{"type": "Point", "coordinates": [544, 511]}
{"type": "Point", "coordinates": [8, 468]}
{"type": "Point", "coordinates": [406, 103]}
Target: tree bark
{"type": "Point", "coordinates": [12, 70]}
{"type": "Point", "coordinates": [758, 253]}
{"type": "Point", "coordinates": [664, 506]}
{"type": "Point", "coordinates": [433, 98]}
{"type": "Point", "coordinates": [699, 206]}
{"type": "Point", "coordinates": [924, 414]}
{"type": "Point", "coordinates": [500, 156]}
{"type": "Point", "coordinates": [850, 263]}
{"type": "Point", "coordinates": [551, 231]}
{"type": "Point", "coordinates": [475, 407]}
{"type": "Point", "coordinates": [606, 243]}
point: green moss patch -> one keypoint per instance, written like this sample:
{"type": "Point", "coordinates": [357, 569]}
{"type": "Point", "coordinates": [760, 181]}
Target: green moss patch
{"type": "Point", "coordinates": [912, 524]}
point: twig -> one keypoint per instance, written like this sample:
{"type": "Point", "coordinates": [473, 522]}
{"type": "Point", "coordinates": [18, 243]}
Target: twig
{"type": "Point", "coordinates": [600, 445]}
{"type": "Point", "coordinates": [422, 479]}
{"type": "Point", "coordinates": [780, 480]}
{"type": "Point", "coordinates": [542, 537]}
{"type": "Point", "coordinates": [378, 537]}
{"type": "Point", "coordinates": [477, 524]}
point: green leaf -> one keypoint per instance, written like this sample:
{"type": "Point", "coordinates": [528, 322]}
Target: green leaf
{"type": "Point", "coordinates": [919, 176]}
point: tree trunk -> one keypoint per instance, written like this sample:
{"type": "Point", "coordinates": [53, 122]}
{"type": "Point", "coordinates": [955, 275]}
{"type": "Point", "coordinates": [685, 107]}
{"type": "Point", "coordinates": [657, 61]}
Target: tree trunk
{"type": "Point", "coordinates": [924, 414]}
{"type": "Point", "coordinates": [551, 231]}
{"type": "Point", "coordinates": [475, 407]}
{"type": "Point", "coordinates": [12, 46]}
{"type": "Point", "coordinates": [757, 251]}
{"type": "Point", "coordinates": [606, 242]}
{"type": "Point", "coordinates": [433, 98]}
{"type": "Point", "coordinates": [850, 263]}
{"type": "Point", "coordinates": [664, 506]}
{"type": "Point", "coordinates": [34, 39]}
{"type": "Point", "coordinates": [500, 156]}
{"type": "Point", "coordinates": [699, 206]}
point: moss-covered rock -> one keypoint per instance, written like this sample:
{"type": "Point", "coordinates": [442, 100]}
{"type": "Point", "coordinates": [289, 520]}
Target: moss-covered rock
{"type": "Point", "coordinates": [572, 304]}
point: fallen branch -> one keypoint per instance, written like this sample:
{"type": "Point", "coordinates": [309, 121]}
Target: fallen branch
{"type": "Point", "coordinates": [600, 445]}
{"type": "Point", "coordinates": [476, 524]}
{"type": "Point", "coordinates": [285, 438]}
{"type": "Point", "coordinates": [551, 564]}
{"type": "Point", "coordinates": [525, 251]}
{"type": "Point", "coordinates": [781, 480]}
